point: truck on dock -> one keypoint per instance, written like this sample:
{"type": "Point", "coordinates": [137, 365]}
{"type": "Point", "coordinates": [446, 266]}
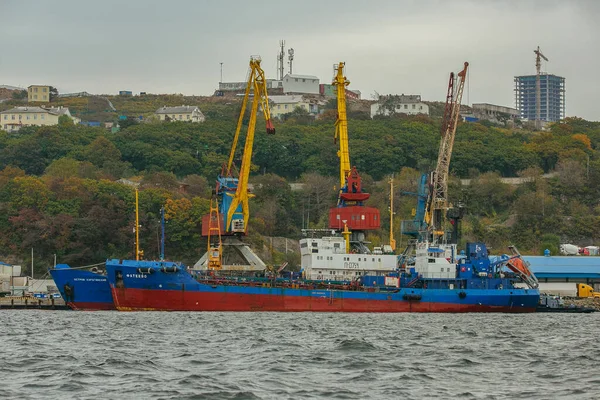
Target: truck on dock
{"type": "Point", "coordinates": [585, 291]}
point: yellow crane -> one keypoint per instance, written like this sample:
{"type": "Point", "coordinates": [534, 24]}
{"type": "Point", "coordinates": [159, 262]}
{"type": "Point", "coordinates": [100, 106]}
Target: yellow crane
{"type": "Point", "coordinates": [437, 203]}
{"type": "Point", "coordinates": [350, 209]}
{"type": "Point", "coordinates": [257, 83]}
{"type": "Point", "coordinates": [341, 124]}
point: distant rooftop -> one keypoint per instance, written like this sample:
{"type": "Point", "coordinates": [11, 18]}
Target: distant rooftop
{"type": "Point", "coordinates": [286, 99]}
{"type": "Point", "coordinates": [302, 76]}
{"type": "Point", "coordinates": [174, 110]}
{"type": "Point", "coordinates": [402, 98]}
{"type": "Point", "coordinates": [37, 110]}
{"type": "Point", "coordinates": [10, 87]}
{"type": "Point", "coordinates": [565, 267]}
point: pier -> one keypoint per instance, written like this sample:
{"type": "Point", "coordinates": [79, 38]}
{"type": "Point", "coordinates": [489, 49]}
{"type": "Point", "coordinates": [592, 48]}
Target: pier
{"type": "Point", "coordinates": [32, 303]}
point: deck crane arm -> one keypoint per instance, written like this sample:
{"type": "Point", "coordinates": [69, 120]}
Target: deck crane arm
{"type": "Point", "coordinates": [437, 202]}
{"type": "Point", "coordinates": [341, 124]}
{"type": "Point", "coordinates": [257, 82]}
{"type": "Point", "coordinates": [255, 73]}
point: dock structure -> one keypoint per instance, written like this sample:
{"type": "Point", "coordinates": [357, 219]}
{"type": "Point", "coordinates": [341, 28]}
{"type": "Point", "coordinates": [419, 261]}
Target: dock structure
{"type": "Point", "coordinates": [32, 303]}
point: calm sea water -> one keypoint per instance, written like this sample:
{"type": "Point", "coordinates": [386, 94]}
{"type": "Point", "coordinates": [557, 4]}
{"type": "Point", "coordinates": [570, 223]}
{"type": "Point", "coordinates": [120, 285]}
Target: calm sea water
{"type": "Point", "coordinates": [91, 355]}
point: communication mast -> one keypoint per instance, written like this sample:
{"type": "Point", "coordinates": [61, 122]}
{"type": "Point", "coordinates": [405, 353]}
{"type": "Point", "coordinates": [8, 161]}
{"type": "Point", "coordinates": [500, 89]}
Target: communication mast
{"type": "Point", "coordinates": [538, 87]}
{"type": "Point", "coordinates": [291, 59]}
{"type": "Point", "coordinates": [280, 57]}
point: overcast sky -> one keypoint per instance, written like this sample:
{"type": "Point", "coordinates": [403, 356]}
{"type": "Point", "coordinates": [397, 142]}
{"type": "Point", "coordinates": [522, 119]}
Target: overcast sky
{"type": "Point", "coordinates": [389, 46]}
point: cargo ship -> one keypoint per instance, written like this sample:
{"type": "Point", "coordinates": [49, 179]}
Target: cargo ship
{"type": "Point", "coordinates": [334, 280]}
{"type": "Point", "coordinates": [83, 289]}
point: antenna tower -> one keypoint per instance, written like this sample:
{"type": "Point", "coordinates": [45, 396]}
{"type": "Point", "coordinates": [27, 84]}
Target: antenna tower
{"type": "Point", "coordinates": [280, 58]}
{"type": "Point", "coordinates": [290, 58]}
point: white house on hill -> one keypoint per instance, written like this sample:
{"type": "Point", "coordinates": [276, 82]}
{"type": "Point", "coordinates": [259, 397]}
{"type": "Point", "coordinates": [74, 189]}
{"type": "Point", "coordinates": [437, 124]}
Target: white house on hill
{"type": "Point", "coordinates": [14, 119]}
{"type": "Point", "coordinates": [182, 113]}
{"type": "Point", "coordinates": [302, 84]}
{"type": "Point", "coordinates": [403, 104]}
{"type": "Point", "coordinates": [280, 105]}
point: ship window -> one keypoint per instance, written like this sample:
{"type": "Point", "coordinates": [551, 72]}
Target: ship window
{"type": "Point", "coordinates": [373, 259]}
{"type": "Point", "coordinates": [303, 245]}
{"type": "Point", "coordinates": [336, 245]}
{"type": "Point", "coordinates": [379, 260]}
{"type": "Point", "coordinates": [315, 250]}
{"type": "Point", "coordinates": [315, 244]}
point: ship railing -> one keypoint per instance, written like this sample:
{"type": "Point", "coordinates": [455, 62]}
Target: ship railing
{"type": "Point", "coordinates": [278, 283]}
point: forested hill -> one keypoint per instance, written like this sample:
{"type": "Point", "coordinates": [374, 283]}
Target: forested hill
{"type": "Point", "coordinates": [59, 191]}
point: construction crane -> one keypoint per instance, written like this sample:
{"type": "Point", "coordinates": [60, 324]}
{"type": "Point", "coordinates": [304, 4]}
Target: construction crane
{"type": "Point", "coordinates": [231, 192]}
{"type": "Point", "coordinates": [350, 211]}
{"type": "Point", "coordinates": [538, 87]}
{"type": "Point", "coordinates": [437, 201]}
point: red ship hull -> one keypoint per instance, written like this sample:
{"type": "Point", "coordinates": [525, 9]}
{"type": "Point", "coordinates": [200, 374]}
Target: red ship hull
{"type": "Point", "coordinates": [132, 299]}
{"type": "Point", "coordinates": [91, 306]}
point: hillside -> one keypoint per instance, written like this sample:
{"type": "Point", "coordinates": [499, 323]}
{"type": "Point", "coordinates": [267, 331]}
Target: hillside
{"type": "Point", "coordinates": [59, 191]}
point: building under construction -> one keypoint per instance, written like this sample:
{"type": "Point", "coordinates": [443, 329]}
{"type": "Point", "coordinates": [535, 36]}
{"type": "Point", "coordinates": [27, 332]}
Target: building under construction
{"type": "Point", "coordinates": [552, 97]}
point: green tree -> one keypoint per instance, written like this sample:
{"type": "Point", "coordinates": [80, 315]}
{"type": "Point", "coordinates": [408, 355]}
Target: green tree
{"type": "Point", "coordinates": [65, 121]}
{"type": "Point", "coordinates": [53, 93]}
{"type": "Point", "coordinates": [19, 94]}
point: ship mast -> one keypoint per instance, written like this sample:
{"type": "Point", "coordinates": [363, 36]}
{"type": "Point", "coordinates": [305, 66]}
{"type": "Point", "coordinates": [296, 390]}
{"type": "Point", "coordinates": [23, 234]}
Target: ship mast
{"type": "Point", "coordinates": [392, 240]}
{"type": "Point", "coordinates": [138, 253]}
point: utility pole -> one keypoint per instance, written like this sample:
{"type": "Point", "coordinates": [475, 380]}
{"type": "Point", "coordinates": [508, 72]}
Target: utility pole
{"type": "Point", "coordinates": [221, 72]}
{"type": "Point", "coordinates": [538, 88]}
{"type": "Point", "coordinates": [32, 263]}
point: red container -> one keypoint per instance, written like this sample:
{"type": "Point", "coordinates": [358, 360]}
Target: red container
{"type": "Point", "coordinates": [357, 218]}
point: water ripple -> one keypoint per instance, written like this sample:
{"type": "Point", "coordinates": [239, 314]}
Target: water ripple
{"type": "Point", "coordinates": [290, 356]}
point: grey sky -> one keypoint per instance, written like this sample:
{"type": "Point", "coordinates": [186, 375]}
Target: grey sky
{"type": "Point", "coordinates": [389, 46]}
